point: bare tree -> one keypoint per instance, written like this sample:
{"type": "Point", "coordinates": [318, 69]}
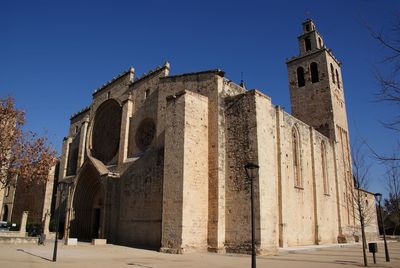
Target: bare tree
{"type": "Point", "coordinates": [387, 74]}
{"type": "Point", "coordinates": [389, 81]}
{"type": "Point", "coordinates": [389, 91]}
{"type": "Point", "coordinates": [364, 211]}
{"type": "Point", "coordinates": [25, 155]}
{"type": "Point", "coordinates": [392, 203]}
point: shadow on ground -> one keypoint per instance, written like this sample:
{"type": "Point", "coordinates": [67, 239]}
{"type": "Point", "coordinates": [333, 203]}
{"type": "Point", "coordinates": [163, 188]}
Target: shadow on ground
{"type": "Point", "coordinates": [342, 262]}
{"type": "Point", "coordinates": [29, 253]}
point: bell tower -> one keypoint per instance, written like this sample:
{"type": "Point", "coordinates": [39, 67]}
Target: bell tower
{"type": "Point", "coordinates": [315, 82]}
{"type": "Point", "coordinates": [317, 98]}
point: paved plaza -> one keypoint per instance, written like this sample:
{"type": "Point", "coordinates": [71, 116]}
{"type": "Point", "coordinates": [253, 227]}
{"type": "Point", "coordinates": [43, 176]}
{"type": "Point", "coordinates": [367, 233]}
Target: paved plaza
{"type": "Point", "coordinates": [110, 256]}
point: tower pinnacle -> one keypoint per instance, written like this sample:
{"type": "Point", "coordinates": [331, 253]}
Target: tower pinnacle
{"type": "Point", "coordinates": [310, 40]}
{"type": "Point", "coordinates": [316, 88]}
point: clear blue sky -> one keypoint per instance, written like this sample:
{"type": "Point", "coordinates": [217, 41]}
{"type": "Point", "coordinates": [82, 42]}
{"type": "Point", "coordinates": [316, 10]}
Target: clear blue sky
{"type": "Point", "coordinates": [53, 54]}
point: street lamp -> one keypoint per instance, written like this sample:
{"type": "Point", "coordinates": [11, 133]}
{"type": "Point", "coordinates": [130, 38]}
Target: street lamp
{"type": "Point", "coordinates": [62, 185]}
{"type": "Point", "coordinates": [252, 172]}
{"type": "Point", "coordinates": [378, 198]}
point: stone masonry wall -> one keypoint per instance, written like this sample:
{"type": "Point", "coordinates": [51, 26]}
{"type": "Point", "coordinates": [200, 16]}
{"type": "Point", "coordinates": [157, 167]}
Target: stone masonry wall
{"type": "Point", "coordinates": [195, 181]}
{"type": "Point", "coordinates": [318, 109]}
{"type": "Point", "coordinates": [297, 202]}
{"type": "Point", "coordinates": [172, 217]}
{"type": "Point", "coordinates": [371, 229]}
{"type": "Point", "coordinates": [140, 202]}
{"type": "Point", "coordinates": [214, 86]}
{"type": "Point", "coordinates": [268, 182]}
{"type": "Point", "coordinates": [241, 148]}
{"type": "Point", "coordinates": [146, 111]}
{"type": "Point", "coordinates": [145, 97]}
{"type": "Point", "coordinates": [326, 202]}
{"type": "Point", "coordinates": [185, 190]}
{"type": "Point", "coordinates": [308, 215]}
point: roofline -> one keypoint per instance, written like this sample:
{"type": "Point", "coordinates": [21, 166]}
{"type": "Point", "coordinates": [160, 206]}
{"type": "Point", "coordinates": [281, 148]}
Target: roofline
{"type": "Point", "coordinates": [307, 33]}
{"type": "Point", "coordinates": [150, 73]}
{"type": "Point", "coordinates": [329, 51]}
{"type": "Point", "coordinates": [365, 191]}
{"type": "Point", "coordinates": [100, 89]}
{"type": "Point", "coordinates": [84, 110]}
{"type": "Point", "coordinates": [214, 71]}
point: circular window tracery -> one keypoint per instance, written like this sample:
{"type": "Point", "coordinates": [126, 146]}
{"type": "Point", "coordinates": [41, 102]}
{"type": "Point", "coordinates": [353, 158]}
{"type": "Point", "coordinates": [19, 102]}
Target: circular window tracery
{"type": "Point", "coordinates": [106, 131]}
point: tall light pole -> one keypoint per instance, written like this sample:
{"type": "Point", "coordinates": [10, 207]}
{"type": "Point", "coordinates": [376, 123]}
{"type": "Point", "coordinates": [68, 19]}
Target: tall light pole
{"type": "Point", "coordinates": [252, 171]}
{"type": "Point", "coordinates": [378, 198]}
{"type": "Point", "coordinates": [60, 185]}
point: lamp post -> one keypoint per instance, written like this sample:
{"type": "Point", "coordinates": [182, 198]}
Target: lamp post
{"type": "Point", "coordinates": [61, 185]}
{"type": "Point", "coordinates": [378, 198]}
{"type": "Point", "coordinates": [251, 171]}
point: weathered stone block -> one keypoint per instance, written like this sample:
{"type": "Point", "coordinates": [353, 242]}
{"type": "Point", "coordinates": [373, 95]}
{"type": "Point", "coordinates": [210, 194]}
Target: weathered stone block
{"type": "Point", "coordinates": [71, 242]}
{"type": "Point", "coordinates": [99, 242]}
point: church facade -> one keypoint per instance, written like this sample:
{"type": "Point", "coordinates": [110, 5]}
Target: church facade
{"type": "Point", "coordinates": [158, 161]}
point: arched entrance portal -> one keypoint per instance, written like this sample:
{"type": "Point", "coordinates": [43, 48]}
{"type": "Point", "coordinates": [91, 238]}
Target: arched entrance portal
{"type": "Point", "coordinates": [88, 205]}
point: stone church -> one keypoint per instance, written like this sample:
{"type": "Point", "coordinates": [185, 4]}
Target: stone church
{"type": "Point", "coordinates": [158, 161]}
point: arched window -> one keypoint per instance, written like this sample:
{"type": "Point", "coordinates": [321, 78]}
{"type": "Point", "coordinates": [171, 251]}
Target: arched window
{"type": "Point", "coordinates": [337, 78]}
{"type": "Point", "coordinates": [314, 72]}
{"type": "Point", "coordinates": [307, 43]}
{"type": "Point", "coordinates": [300, 77]}
{"type": "Point", "coordinates": [324, 168]}
{"type": "Point", "coordinates": [296, 157]}
{"type": "Point", "coordinates": [333, 74]}
{"type": "Point", "coordinates": [320, 42]}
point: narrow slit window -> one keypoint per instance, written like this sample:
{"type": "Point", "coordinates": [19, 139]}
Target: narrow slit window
{"type": "Point", "coordinates": [333, 74]}
{"type": "Point", "coordinates": [337, 78]}
{"type": "Point", "coordinates": [324, 168]}
{"type": "Point", "coordinates": [296, 158]}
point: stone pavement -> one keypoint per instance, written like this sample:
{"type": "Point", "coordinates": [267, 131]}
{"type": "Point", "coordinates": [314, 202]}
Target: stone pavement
{"type": "Point", "coordinates": [111, 256]}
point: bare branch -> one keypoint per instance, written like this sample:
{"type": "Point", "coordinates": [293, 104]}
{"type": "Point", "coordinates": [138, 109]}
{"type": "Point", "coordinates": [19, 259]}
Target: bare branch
{"type": "Point", "coordinates": [363, 210]}
{"type": "Point", "coordinates": [383, 158]}
{"type": "Point", "coordinates": [389, 81]}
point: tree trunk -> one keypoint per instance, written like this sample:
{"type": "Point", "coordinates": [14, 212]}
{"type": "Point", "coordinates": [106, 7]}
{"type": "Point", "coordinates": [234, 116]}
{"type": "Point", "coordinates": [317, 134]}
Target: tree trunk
{"type": "Point", "coordinates": [364, 240]}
